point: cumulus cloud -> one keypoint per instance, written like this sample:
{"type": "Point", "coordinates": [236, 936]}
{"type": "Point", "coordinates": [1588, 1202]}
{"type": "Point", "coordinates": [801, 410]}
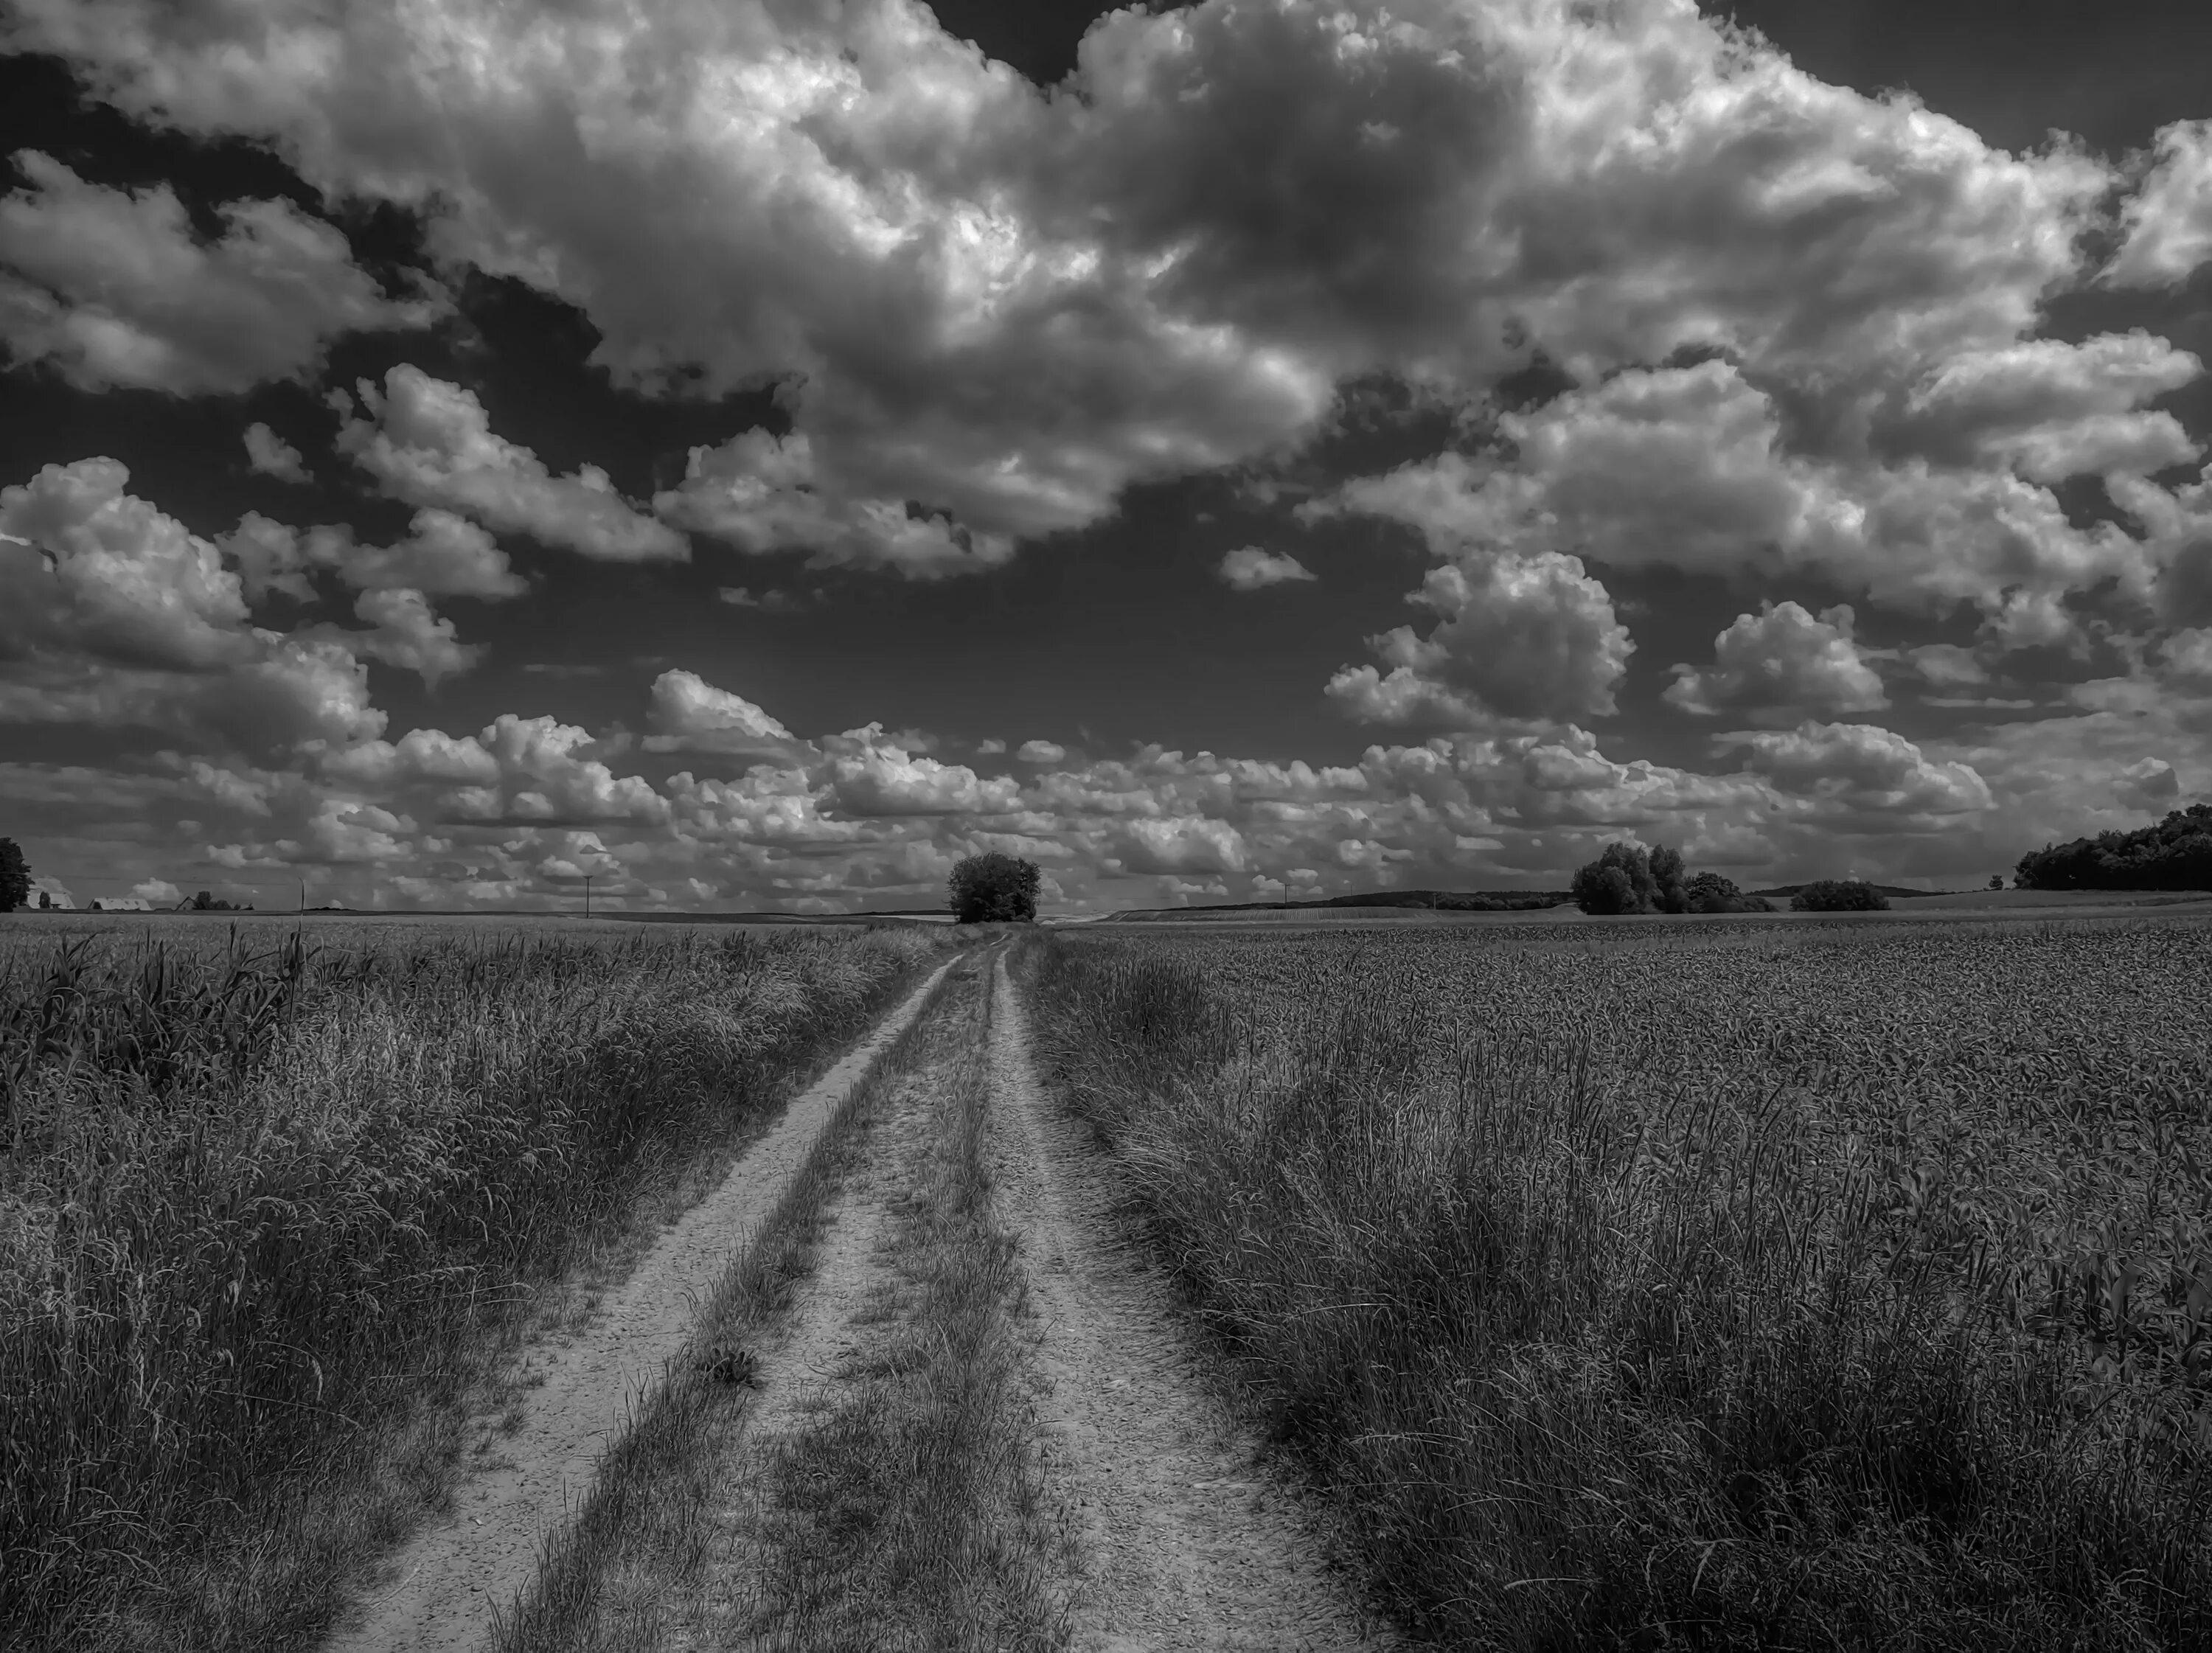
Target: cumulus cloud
{"type": "Point", "coordinates": [1520, 637]}
{"type": "Point", "coordinates": [113, 614]}
{"type": "Point", "coordinates": [1250, 568]}
{"type": "Point", "coordinates": [2169, 219]}
{"type": "Point", "coordinates": [1781, 663]}
{"type": "Point", "coordinates": [763, 493]}
{"type": "Point", "coordinates": [1861, 766]}
{"type": "Point", "coordinates": [273, 456]}
{"type": "Point", "coordinates": [1689, 468]}
{"type": "Point", "coordinates": [404, 632]}
{"type": "Point", "coordinates": [691, 714]}
{"type": "Point", "coordinates": [1040, 752]}
{"type": "Point", "coordinates": [443, 556]}
{"type": "Point", "coordinates": [431, 444]}
{"type": "Point", "coordinates": [1010, 307]}
{"type": "Point", "coordinates": [113, 289]}
{"type": "Point", "coordinates": [867, 776]}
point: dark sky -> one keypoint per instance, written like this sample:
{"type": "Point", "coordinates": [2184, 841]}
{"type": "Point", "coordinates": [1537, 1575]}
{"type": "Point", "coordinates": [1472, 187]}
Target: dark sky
{"type": "Point", "coordinates": [1101, 637]}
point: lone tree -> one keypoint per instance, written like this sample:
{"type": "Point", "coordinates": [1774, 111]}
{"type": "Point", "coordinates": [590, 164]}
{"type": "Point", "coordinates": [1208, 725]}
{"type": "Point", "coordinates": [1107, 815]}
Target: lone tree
{"type": "Point", "coordinates": [993, 889]}
{"type": "Point", "coordinates": [15, 876]}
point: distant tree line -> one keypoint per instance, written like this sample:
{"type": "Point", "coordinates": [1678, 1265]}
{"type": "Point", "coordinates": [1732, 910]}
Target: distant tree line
{"type": "Point", "coordinates": [2176, 854]}
{"type": "Point", "coordinates": [1630, 878]}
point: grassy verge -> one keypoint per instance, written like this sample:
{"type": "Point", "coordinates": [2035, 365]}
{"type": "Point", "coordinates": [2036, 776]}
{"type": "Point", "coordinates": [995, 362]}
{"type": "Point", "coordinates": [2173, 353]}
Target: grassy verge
{"type": "Point", "coordinates": [1616, 1324]}
{"type": "Point", "coordinates": [909, 1513]}
{"type": "Point", "coordinates": [267, 1218]}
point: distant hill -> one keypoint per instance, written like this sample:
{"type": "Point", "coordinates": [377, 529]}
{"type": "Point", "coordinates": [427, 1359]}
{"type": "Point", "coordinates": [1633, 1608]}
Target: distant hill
{"type": "Point", "coordinates": [1894, 891]}
{"type": "Point", "coordinates": [1448, 900]}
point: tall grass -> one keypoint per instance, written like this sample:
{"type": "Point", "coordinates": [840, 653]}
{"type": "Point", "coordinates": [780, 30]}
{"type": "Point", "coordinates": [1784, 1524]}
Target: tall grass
{"type": "Point", "coordinates": [257, 1207]}
{"type": "Point", "coordinates": [1754, 1297]}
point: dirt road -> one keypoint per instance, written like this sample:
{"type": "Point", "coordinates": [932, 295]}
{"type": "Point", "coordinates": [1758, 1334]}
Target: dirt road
{"type": "Point", "coordinates": [1130, 1513]}
{"type": "Point", "coordinates": [441, 1590]}
{"type": "Point", "coordinates": [1189, 1543]}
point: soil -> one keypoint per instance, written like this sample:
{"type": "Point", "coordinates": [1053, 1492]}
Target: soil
{"type": "Point", "coordinates": [1189, 1542]}
{"type": "Point", "coordinates": [441, 1590]}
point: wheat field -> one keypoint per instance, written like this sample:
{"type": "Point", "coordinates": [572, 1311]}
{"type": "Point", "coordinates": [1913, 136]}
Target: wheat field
{"type": "Point", "coordinates": [1777, 1286]}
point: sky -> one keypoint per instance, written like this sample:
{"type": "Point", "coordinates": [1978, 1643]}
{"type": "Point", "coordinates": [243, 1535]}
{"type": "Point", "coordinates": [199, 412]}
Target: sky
{"type": "Point", "coordinates": [755, 452]}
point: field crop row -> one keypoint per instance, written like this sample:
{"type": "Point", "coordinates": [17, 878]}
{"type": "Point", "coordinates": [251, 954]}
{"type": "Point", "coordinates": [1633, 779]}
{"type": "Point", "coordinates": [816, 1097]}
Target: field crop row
{"type": "Point", "coordinates": [1785, 1286]}
{"type": "Point", "coordinates": [259, 1209]}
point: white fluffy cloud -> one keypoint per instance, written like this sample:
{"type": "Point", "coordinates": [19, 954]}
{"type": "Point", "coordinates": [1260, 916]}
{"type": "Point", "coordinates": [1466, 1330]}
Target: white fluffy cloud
{"type": "Point", "coordinates": [1782, 664]}
{"type": "Point", "coordinates": [114, 289]}
{"type": "Point", "coordinates": [761, 492]}
{"type": "Point", "coordinates": [2169, 219]}
{"type": "Point", "coordinates": [273, 456]}
{"type": "Point", "coordinates": [691, 714]}
{"type": "Point", "coordinates": [114, 614]}
{"type": "Point", "coordinates": [1009, 307]}
{"type": "Point", "coordinates": [1861, 766]}
{"type": "Point", "coordinates": [1520, 638]}
{"type": "Point", "coordinates": [1688, 468]}
{"type": "Point", "coordinates": [1248, 568]}
{"type": "Point", "coordinates": [403, 631]}
{"type": "Point", "coordinates": [1040, 752]}
{"type": "Point", "coordinates": [442, 556]}
{"type": "Point", "coordinates": [431, 444]}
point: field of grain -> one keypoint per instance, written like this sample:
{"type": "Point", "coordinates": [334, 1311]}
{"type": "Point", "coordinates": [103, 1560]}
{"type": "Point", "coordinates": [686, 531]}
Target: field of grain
{"type": "Point", "coordinates": [1770, 1285]}
{"type": "Point", "coordinates": [266, 1198]}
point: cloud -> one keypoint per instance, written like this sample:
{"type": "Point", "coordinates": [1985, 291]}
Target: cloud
{"type": "Point", "coordinates": [158, 892]}
{"type": "Point", "coordinates": [1249, 569]}
{"type": "Point", "coordinates": [866, 777]}
{"type": "Point", "coordinates": [1040, 752]}
{"type": "Point", "coordinates": [1179, 844]}
{"type": "Point", "coordinates": [691, 714]}
{"type": "Point", "coordinates": [762, 493]}
{"type": "Point", "coordinates": [989, 748]}
{"type": "Point", "coordinates": [115, 290]}
{"type": "Point", "coordinates": [1009, 307]}
{"type": "Point", "coordinates": [431, 444]}
{"type": "Point", "coordinates": [2169, 219]}
{"type": "Point", "coordinates": [273, 456]}
{"type": "Point", "coordinates": [1521, 637]}
{"type": "Point", "coordinates": [1862, 768]}
{"type": "Point", "coordinates": [404, 632]}
{"type": "Point", "coordinates": [1781, 663]}
{"type": "Point", "coordinates": [443, 556]}
{"type": "Point", "coordinates": [1689, 468]}
{"type": "Point", "coordinates": [113, 614]}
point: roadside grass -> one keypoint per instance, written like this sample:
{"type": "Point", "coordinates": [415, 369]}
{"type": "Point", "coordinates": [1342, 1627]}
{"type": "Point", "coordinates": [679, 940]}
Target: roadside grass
{"type": "Point", "coordinates": [639, 1544]}
{"type": "Point", "coordinates": [1826, 1291]}
{"type": "Point", "coordinates": [910, 1511]}
{"type": "Point", "coordinates": [269, 1216]}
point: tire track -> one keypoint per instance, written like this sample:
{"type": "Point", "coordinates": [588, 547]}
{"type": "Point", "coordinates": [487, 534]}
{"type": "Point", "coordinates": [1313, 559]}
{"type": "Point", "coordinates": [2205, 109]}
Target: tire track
{"type": "Point", "coordinates": [441, 1590]}
{"type": "Point", "coordinates": [1190, 1543]}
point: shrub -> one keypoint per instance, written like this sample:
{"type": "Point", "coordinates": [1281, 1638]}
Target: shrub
{"type": "Point", "coordinates": [1709, 892]}
{"type": "Point", "coordinates": [1840, 896]}
{"type": "Point", "coordinates": [993, 889]}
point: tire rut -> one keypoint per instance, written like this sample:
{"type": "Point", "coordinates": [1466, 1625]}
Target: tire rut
{"type": "Point", "coordinates": [442, 1589]}
{"type": "Point", "coordinates": [1189, 1542]}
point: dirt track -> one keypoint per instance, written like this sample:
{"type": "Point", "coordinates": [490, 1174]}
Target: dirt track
{"type": "Point", "coordinates": [1189, 1543]}
{"type": "Point", "coordinates": [1178, 1537]}
{"type": "Point", "coordinates": [441, 1590]}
